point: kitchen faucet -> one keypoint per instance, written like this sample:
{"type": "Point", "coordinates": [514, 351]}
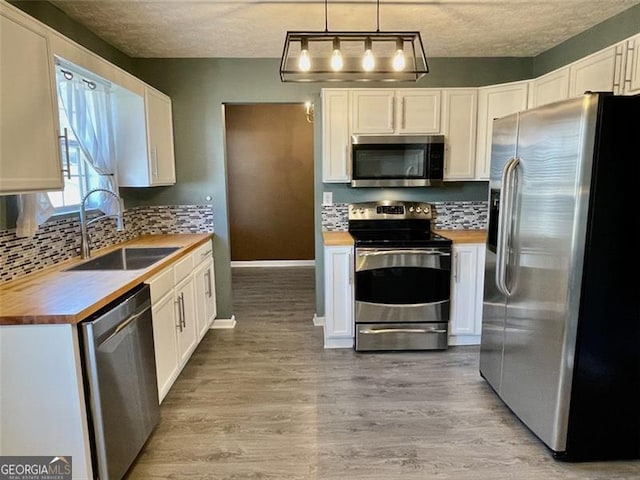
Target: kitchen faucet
{"type": "Point", "coordinates": [85, 249]}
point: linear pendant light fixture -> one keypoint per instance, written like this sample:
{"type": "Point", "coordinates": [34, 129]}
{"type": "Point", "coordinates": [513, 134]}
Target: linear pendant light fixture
{"type": "Point", "coordinates": [324, 56]}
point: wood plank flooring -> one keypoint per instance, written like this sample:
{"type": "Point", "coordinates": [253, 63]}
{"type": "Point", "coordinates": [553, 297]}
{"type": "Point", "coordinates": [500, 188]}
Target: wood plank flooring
{"type": "Point", "coordinates": [266, 401]}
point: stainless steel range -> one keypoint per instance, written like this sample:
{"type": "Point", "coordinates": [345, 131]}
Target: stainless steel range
{"type": "Point", "coordinates": [402, 277]}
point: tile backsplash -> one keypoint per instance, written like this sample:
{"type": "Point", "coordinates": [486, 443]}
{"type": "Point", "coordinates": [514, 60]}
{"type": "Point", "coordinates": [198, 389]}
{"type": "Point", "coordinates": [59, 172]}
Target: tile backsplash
{"type": "Point", "coordinates": [59, 240]}
{"type": "Point", "coordinates": [470, 215]}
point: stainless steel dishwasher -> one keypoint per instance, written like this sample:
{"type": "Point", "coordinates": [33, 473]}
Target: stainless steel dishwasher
{"type": "Point", "coordinates": [120, 380]}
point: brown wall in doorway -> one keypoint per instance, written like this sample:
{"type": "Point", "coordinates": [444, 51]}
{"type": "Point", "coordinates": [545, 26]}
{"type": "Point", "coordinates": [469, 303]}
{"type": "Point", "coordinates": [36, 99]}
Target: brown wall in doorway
{"type": "Point", "coordinates": [270, 181]}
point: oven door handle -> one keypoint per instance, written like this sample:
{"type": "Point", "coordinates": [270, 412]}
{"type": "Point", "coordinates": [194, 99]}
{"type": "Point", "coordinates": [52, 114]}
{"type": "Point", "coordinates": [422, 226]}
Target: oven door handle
{"type": "Point", "coordinates": [378, 331]}
{"type": "Point", "coordinates": [405, 305]}
{"type": "Point", "coordinates": [378, 253]}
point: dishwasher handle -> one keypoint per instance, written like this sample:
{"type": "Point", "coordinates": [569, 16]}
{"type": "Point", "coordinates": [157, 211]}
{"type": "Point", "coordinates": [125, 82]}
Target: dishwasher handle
{"type": "Point", "coordinates": [124, 325]}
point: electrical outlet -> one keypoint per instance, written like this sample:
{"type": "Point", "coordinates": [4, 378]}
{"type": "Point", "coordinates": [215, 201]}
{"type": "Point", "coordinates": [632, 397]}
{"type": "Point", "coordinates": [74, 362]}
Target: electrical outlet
{"type": "Point", "coordinates": [327, 198]}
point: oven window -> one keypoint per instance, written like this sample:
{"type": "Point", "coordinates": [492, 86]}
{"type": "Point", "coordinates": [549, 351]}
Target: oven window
{"type": "Point", "coordinates": [389, 161]}
{"type": "Point", "coordinates": [402, 285]}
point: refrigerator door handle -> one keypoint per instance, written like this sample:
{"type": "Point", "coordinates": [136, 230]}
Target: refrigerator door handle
{"type": "Point", "coordinates": [504, 224]}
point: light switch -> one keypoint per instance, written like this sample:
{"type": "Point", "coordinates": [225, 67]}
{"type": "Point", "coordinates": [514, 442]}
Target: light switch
{"type": "Point", "coordinates": [327, 198]}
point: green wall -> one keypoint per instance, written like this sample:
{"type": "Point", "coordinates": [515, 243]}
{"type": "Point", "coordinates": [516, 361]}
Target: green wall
{"type": "Point", "coordinates": [199, 88]}
{"type": "Point", "coordinates": [609, 32]}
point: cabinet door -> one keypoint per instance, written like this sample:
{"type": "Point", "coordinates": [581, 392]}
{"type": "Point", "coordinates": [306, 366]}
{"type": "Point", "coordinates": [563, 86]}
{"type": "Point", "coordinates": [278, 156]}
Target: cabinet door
{"type": "Point", "coordinates": [372, 111]}
{"type": "Point", "coordinates": [495, 102]}
{"type": "Point", "coordinates": [466, 293]}
{"type": "Point", "coordinates": [160, 138]}
{"type": "Point", "coordinates": [595, 73]}
{"type": "Point", "coordinates": [338, 271]}
{"type": "Point", "coordinates": [550, 88]}
{"type": "Point", "coordinates": [632, 68]}
{"type": "Point", "coordinates": [418, 111]}
{"type": "Point", "coordinates": [165, 326]}
{"type": "Point", "coordinates": [335, 136]}
{"type": "Point", "coordinates": [459, 127]}
{"type": "Point", "coordinates": [29, 148]}
{"type": "Point", "coordinates": [185, 312]}
{"type": "Point", "coordinates": [205, 298]}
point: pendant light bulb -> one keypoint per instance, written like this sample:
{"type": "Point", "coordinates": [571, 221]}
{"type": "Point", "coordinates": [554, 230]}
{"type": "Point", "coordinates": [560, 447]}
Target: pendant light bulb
{"type": "Point", "coordinates": [336, 57]}
{"type": "Point", "coordinates": [304, 61]}
{"type": "Point", "coordinates": [368, 61]}
{"type": "Point", "coordinates": [399, 61]}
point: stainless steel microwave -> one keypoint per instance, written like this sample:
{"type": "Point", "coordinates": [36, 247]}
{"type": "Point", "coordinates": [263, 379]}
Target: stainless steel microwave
{"type": "Point", "coordinates": [397, 161]}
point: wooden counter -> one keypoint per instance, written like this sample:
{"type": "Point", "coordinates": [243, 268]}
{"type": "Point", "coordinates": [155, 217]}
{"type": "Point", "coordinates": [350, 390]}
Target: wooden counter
{"type": "Point", "coordinates": [337, 239]}
{"type": "Point", "coordinates": [464, 236]}
{"type": "Point", "coordinates": [55, 296]}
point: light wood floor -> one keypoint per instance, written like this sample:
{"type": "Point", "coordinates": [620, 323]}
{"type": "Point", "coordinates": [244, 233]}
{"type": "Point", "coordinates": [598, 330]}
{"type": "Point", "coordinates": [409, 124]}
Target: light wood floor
{"type": "Point", "coordinates": [266, 401]}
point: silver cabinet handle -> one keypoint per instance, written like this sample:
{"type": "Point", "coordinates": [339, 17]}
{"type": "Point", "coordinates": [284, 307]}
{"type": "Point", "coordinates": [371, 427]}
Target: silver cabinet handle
{"type": "Point", "coordinates": [66, 152]}
{"type": "Point", "coordinates": [183, 315]}
{"type": "Point", "coordinates": [205, 254]}
{"type": "Point", "coordinates": [209, 290]}
{"type": "Point", "coordinates": [456, 272]}
{"type": "Point", "coordinates": [155, 161]}
{"type": "Point", "coordinates": [177, 302]}
{"type": "Point", "coordinates": [378, 331]}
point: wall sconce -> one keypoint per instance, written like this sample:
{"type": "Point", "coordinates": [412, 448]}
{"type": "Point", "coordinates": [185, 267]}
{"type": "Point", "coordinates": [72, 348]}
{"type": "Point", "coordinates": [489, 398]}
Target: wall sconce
{"type": "Point", "coordinates": [308, 111]}
{"type": "Point", "coordinates": [353, 56]}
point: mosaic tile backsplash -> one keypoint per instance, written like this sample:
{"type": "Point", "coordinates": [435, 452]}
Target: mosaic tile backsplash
{"type": "Point", "coordinates": [471, 215]}
{"type": "Point", "coordinates": [59, 240]}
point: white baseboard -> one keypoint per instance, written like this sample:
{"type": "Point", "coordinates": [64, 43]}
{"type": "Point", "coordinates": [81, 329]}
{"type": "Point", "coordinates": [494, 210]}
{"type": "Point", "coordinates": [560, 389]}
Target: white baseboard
{"type": "Point", "coordinates": [464, 340]}
{"type": "Point", "coordinates": [273, 263]}
{"type": "Point", "coordinates": [344, 342]}
{"type": "Point", "coordinates": [220, 323]}
{"type": "Point", "coordinates": [318, 321]}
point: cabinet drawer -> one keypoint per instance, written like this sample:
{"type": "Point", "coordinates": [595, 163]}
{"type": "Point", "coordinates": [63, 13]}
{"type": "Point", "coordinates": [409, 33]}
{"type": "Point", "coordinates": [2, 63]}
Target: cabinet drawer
{"type": "Point", "coordinates": [202, 253]}
{"type": "Point", "coordinates": [160, 284]}
{"type": "Point", "coordinates": [182, 268]}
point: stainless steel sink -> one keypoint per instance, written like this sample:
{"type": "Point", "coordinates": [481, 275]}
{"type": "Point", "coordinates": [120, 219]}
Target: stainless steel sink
{"type": "Point", "coordinates": [126, 259]}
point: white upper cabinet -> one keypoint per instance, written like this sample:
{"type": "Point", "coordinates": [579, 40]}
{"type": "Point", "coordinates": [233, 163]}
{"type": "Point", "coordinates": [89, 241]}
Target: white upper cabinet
{"type": "Point", "coordinates": [417, 111]}
{"type": "Point", "coordinates": [160, 138]}
{"type": "Point", "coordinates": [594, 73]}
{"type": "Point", "coordinates": [410, 111]}
{"type": "Point", "coordinates": [459, 127]}
{"type": "Point", "coordinates": [495, 102]}
{"type": "Point", "coordinates": [335, 136]}
{"type": "Point", "coordinates": [29, 146]}
{"type": "Point", "coordinates": [549, 88]}
{"type": "Point", "coordinates": [144, 138]}
{"type": "Point", "coordinates": [630, 84]}
{"type": "Point", "coordinates": [372, 111]}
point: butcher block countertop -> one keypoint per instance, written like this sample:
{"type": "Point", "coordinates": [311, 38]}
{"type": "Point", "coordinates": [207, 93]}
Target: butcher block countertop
{"type": "Point", "coordinates": [338, 239]}
{"type": "Point", "coordinates": [53, 296]}
{"type": "Point", "coordinates": [464, 236]}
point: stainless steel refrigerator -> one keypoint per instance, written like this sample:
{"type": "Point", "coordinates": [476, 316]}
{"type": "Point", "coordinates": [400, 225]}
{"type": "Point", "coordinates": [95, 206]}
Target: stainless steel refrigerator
{"type": "Point", "coordinates": [561, 314]}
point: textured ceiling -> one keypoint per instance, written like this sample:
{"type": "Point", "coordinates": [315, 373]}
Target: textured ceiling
{"type": "Point", "coordinates": [256, 28]}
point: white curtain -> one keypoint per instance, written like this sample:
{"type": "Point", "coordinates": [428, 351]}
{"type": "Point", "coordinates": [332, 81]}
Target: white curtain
{"type": "Point", "coordinates": [88, 109]}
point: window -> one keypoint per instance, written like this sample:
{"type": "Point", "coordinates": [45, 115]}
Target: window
{"type": "Point", "coordinates": [81, 178]}
{"type": "Point", "coordinates": [84, 106]}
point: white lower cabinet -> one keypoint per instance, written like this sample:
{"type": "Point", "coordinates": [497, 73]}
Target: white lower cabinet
{"type": "Point", "coordinates": [166, 347]}
{"type": "Point", "coordinates": [338, 300]}
{"type": "Point", "coordinates": [467, 285]}
{"type": "Point", "coordinates": [205, 297]}
{"type": "Point", "coordinates": [183, 307]}
{"type": "Point", "coordinates": [185, 313]}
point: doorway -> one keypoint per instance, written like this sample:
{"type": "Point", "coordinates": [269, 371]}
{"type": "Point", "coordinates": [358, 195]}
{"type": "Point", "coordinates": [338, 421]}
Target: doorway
{"type": "Point", "coordinates": [270, 182]}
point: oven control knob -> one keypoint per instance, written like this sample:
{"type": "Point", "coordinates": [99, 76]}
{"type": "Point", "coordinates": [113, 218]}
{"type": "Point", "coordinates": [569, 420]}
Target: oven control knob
{"type": "Point", "coordinates": [418, 209]}
{"type": "Point", "coordinates": [425, 211]}
{"type": "Point", "coordinates": [411, 209]}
